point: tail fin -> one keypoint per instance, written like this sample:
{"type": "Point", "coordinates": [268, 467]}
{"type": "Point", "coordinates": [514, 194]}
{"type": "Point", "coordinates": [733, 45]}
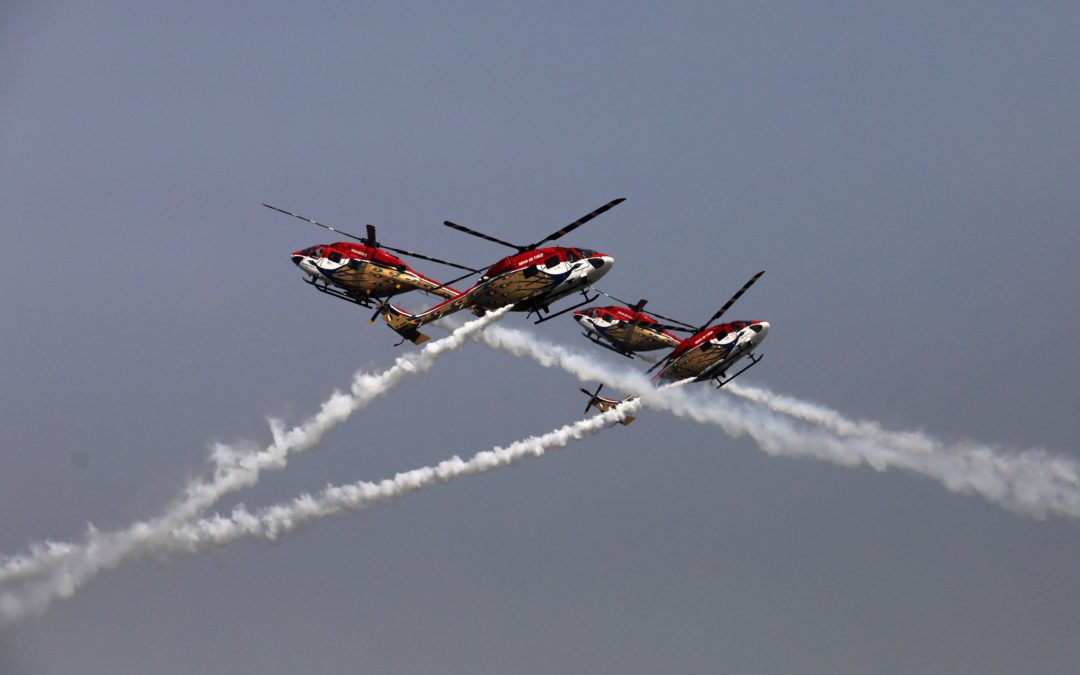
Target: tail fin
{"type": "Point", "coordinates": [602, 404]}
{"type": "Point", "coordinates": [404, 324]}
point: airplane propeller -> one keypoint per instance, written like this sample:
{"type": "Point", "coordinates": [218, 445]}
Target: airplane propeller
{"type": "Point", "coordinates": [593, 396]}
{"type": "Point", "coordinates": [380, 306]}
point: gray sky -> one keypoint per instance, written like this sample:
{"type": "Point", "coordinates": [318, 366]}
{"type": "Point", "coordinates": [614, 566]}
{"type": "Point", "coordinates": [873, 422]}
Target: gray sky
{"type": "Point", "coordinates": [906, 172]}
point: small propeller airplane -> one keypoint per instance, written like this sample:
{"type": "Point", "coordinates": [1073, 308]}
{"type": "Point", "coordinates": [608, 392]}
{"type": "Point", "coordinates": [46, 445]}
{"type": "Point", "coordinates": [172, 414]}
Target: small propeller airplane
{"type": "Point", "coordinates": [530, 280]}
{"type": "Point", "coordinates": [364, 273]}
{"type": "Point", "coordinates": [604, 404]}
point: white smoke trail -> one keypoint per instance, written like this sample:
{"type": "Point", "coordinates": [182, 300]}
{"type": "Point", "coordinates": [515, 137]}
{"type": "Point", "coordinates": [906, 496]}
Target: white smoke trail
{"type": "Point", "coordinates": [1030, 482]}
{"type": "Point", "coordinates": [236, 468]}
{"type": "Point", "coordinates": [271, 522]}
{"type": "Point", "coordinates": [820, 415]}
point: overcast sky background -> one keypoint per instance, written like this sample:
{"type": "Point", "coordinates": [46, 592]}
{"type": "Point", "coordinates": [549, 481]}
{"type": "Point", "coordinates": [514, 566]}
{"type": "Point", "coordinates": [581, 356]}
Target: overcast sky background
{"type": "Point", "coordinates": [905, 172]}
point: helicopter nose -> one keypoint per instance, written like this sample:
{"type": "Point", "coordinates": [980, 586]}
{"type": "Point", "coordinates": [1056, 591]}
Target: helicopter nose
{"type": "Point", "coordinates": [761, 329]}
{"type": "Point", "coordinates": [601, 261]}
{"type": "Point", "coordinates": [296, 258]}
{"type": "Point", "coordinates": [601, 265]}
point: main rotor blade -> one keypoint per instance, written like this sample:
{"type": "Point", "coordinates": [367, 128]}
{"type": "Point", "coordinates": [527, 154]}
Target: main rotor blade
{"type": "Point", "coordinates": [427, 257]}
{"type": "Point", "coordinates": [317, 223]}
{"type": "Point", "coordinates": [578, 223]}
{"type": "Point", "coordinates": [657, 364]}
{"type": "Point", "coordinates": [621, 302]}
{"type": "Point", "coordinates": [729, 303]}
{"type": "Point", "coordinates": [452, 281]}
{"type": "Point", "coordinates": [370, 240]}
{"type": "Point", "coordinates": [668, 326]}
{"type": "Point", "coordinates": [685, 325]}
{"type": "Point", "coordinates": [474, 233]}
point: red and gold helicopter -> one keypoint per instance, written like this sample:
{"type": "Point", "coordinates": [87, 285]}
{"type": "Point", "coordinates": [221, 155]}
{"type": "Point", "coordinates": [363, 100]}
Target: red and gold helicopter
{"type": "Point", "coordinates": [627, 330]}
{"type": "Point", "coordinates": [708, 354]}
{"type": "Point", "coordinates": [529, 280]}
{"type": "Point", "coordinates": [364, 273]}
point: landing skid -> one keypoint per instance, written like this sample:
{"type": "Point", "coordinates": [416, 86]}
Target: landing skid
{"type": "Point", "coordinates": [338, 293]}
{"type": "Point", "coordinates": [607, 346]}
{"type": "Point", "coordinates": [721, 381]}
{"type": "Point", "coordinates": [584, 302]}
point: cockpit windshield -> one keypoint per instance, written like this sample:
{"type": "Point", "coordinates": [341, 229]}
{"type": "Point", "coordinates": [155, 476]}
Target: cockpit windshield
{"type": "Point", "coordinates": [586, 253]}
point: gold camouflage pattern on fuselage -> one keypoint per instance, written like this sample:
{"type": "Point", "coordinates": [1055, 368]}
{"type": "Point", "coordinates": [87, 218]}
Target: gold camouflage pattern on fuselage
{"type": "Point", "coordinates": [639, 337]}
{"type": "Point", "coordinates": [512, 288]}
{"type": "Point", "coordinates": [372, 280]}
{"type": "Point", "coordinates": [696, 361]}
{"type": "Point", "coordinates": [507, 289]}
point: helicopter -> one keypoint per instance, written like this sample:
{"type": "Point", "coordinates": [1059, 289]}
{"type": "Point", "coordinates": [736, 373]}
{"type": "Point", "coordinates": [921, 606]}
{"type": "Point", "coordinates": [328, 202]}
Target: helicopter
{"type": "Point", "coordinates": [712, 350]}
{"type": "Point", "coordinates": [626, 329]}
{"type": "Point", "coordinates": [529, 280]}
{"type": "Point", "coordinates": [364, 273]}
{"type": "Point", "coordinates": [706, 355]}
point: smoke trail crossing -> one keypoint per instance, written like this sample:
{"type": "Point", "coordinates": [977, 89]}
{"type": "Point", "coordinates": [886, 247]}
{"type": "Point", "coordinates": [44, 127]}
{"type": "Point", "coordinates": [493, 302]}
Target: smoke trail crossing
{"type": "Point", "coordinates": [236, 468]}
{"type": "Point", "coordinates": [1030, 482]}
{"type": "Point", "coordinates": [270, 523]}
{"type": "Point", "coordinates": [274, 521]}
